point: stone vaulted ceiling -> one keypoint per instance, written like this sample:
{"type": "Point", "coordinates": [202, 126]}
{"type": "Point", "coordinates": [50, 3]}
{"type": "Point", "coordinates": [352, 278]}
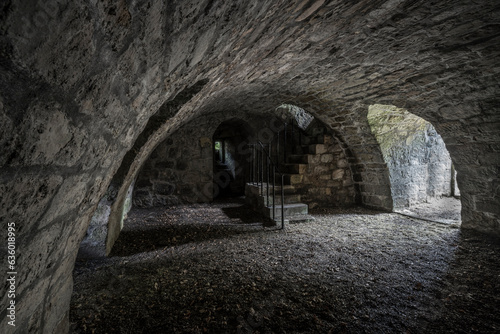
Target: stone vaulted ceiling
{"type": "Point", "coordinates": [80, 80]}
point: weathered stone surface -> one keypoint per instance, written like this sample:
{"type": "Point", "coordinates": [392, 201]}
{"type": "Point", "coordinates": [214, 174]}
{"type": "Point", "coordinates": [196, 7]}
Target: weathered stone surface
{"type": "Point", "coordinates": [316, 186]}
{"type": "Point", "coordinates": [79, 84]}
{"type": "Point", "coordinates": [338, 174]}
{"type": "Point", "coordinates": [419, 164]}
{"type": "Point", "coordinates": [191, 178]}
{"type": "Point", "coordinates": [325, 158]}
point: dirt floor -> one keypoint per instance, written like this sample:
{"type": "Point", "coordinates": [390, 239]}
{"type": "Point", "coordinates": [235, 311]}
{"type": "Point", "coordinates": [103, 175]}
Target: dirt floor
{"type": "Point", "coordinates": [216, 269]}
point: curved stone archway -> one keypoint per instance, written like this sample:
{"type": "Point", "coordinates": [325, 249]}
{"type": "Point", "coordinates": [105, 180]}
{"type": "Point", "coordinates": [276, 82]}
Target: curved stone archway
{"type": "Point", "coordinates": [420, 165]}
{"type": "Point", "coordinates": [174, 166]}
{"type": "Point", "coordinates": [80, 81]}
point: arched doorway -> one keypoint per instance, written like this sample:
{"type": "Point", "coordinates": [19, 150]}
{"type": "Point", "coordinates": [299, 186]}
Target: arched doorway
{"type": "Point", "coordinates": [230, 154]}
{"type": "Point", "coordinates": [422, 175]}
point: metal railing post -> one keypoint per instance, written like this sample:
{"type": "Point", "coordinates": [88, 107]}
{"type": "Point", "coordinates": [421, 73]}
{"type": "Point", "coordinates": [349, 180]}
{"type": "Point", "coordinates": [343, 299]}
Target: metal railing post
{"type": "Point", "coordinates": [250, 164]}
{"type": "Point", "coordinates": [261, 167]}
{"type": "Point", "coordinates": [267, 179]}
{"type": "Point", "coordinates": [247, 171]}
{"type": "Point", "coordinates": [274, 193]}
{"type": "Point", "coordinates": [253, 164]}
{"type": "Point", "coordinates": [278, 148]}
{"type": "Point", "coordinates": [282, 202]}
{"type": "Point", "coordinates": [258, 166]}
{"type": "Point", "coordinates": [284, 145]}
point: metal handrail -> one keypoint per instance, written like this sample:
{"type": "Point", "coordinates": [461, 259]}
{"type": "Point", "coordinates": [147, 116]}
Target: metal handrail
{"type": "Point", "coordinates": [262, 162]}
{"type": "Point", "coordinates": [269, 161]}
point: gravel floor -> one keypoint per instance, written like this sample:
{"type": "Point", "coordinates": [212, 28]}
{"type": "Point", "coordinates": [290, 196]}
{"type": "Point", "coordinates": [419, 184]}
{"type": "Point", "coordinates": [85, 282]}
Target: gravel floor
{"type": "Point", "coordinates": [216, 269]}
{"type": "Point", "coordinates": [442, 210]}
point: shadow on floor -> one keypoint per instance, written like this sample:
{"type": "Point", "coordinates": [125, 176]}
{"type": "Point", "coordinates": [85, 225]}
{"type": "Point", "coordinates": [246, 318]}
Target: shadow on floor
{"type": "Point", "coordinates": [244, 214]}
{"type": "Point", "coordinates": [178, 226]}
{"type": "Point", "coordinates": [133, 242]}
{"type": "Point", "coordinates": [471, 283]}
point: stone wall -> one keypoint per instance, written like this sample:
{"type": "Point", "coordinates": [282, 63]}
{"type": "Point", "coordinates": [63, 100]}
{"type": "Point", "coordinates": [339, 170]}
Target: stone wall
{"type": "Point", "coordinates": [80, 80]}
{"type": "Point", "coordinates": [364, 156]}
{"type": "Point", "coordinates": [419, 164]}
{"type": "Point", "coordinates": [179, 170]}
{"type": "Point", "coordinates": [329, 179]}
{"type": "Point", "coordinates": [324, 177]}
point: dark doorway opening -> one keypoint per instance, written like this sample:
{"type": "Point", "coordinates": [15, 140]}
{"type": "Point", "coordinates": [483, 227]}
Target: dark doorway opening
{"type": "Point", "coordinates": [230, 152]}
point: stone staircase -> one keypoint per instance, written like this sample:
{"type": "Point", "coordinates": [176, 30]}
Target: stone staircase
{"type": "Point", "coordinates": [302, 159]}
{"type": "Point", "coordinates": [300, 162]}
{"type": "Point", "coordinates": [293, 209]}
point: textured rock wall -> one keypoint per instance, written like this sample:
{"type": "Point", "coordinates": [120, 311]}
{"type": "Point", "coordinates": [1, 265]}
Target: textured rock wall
{"type": "Point", "coordinates": [80, 80]}
{"type": "Point", "coordinates": [325, 177]}
{"type": "Point", "coordinates": [328, 179]}
{"type": "Point", "coordinates": [419, 164]}
{"type": "Point", "coordinates": [181, 168]}
{"type": "Point", "coordinates": [73, 97]}
{"type": "Point", "coordinates": [369, 170]}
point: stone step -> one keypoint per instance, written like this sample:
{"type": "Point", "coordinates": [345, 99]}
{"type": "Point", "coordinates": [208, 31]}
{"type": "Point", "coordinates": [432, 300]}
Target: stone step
{"type": "Point", "coordinates": [296, 168]}
{"type": "Point", "coordinates": [305, 140]}
{"type": "Point", "coordinates": [303, 149]}
{"type": "Point", "coordinates": [293, 179]}
{"type": "Point", "coordinates": [299, 219]}
{"type": "Point", "coordinates": [289, 210]}
{"type": "Point", "coordinates": [255, 189]}
{"type": "Point", "coordinates": [289, 199]}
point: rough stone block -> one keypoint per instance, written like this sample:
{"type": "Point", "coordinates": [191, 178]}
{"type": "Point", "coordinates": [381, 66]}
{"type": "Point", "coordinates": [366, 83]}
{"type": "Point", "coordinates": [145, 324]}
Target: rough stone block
{"type": "Point", "coordinates": [342, 163]}
{"type": "Point", "coordinates": [347, 183]}
{"type": "Point", "coordinates": [335, 148]}
{"type": "Point", "coordinates": [313, 158]}
{"type": "Point", "coordinates": [325, 139]}
{"type": "Point", "coordinates": [338, 174]}
{"type": "Point", "coordinates": [318, 170]}
{"type": "Point", "coordinates": [325, 158]}
{"type": "Point", "coordinates": [317, 149]}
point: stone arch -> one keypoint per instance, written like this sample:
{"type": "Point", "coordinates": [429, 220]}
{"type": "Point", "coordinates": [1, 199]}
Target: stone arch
{"type": "Point", "coordinates": [94, 81]}
{"type": "Point", "coordinates": [370, 172]}
{"type": "Point", "coordinates": [192, 176]}
{"type": "Point", "coordinates": [420, 166]}
{"type": "Point", "coordinates": [467, 137]}
{"type": "Point", "coordinates": [114, 206]}
{"type": "Point", "coordinates": [350, 126]}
